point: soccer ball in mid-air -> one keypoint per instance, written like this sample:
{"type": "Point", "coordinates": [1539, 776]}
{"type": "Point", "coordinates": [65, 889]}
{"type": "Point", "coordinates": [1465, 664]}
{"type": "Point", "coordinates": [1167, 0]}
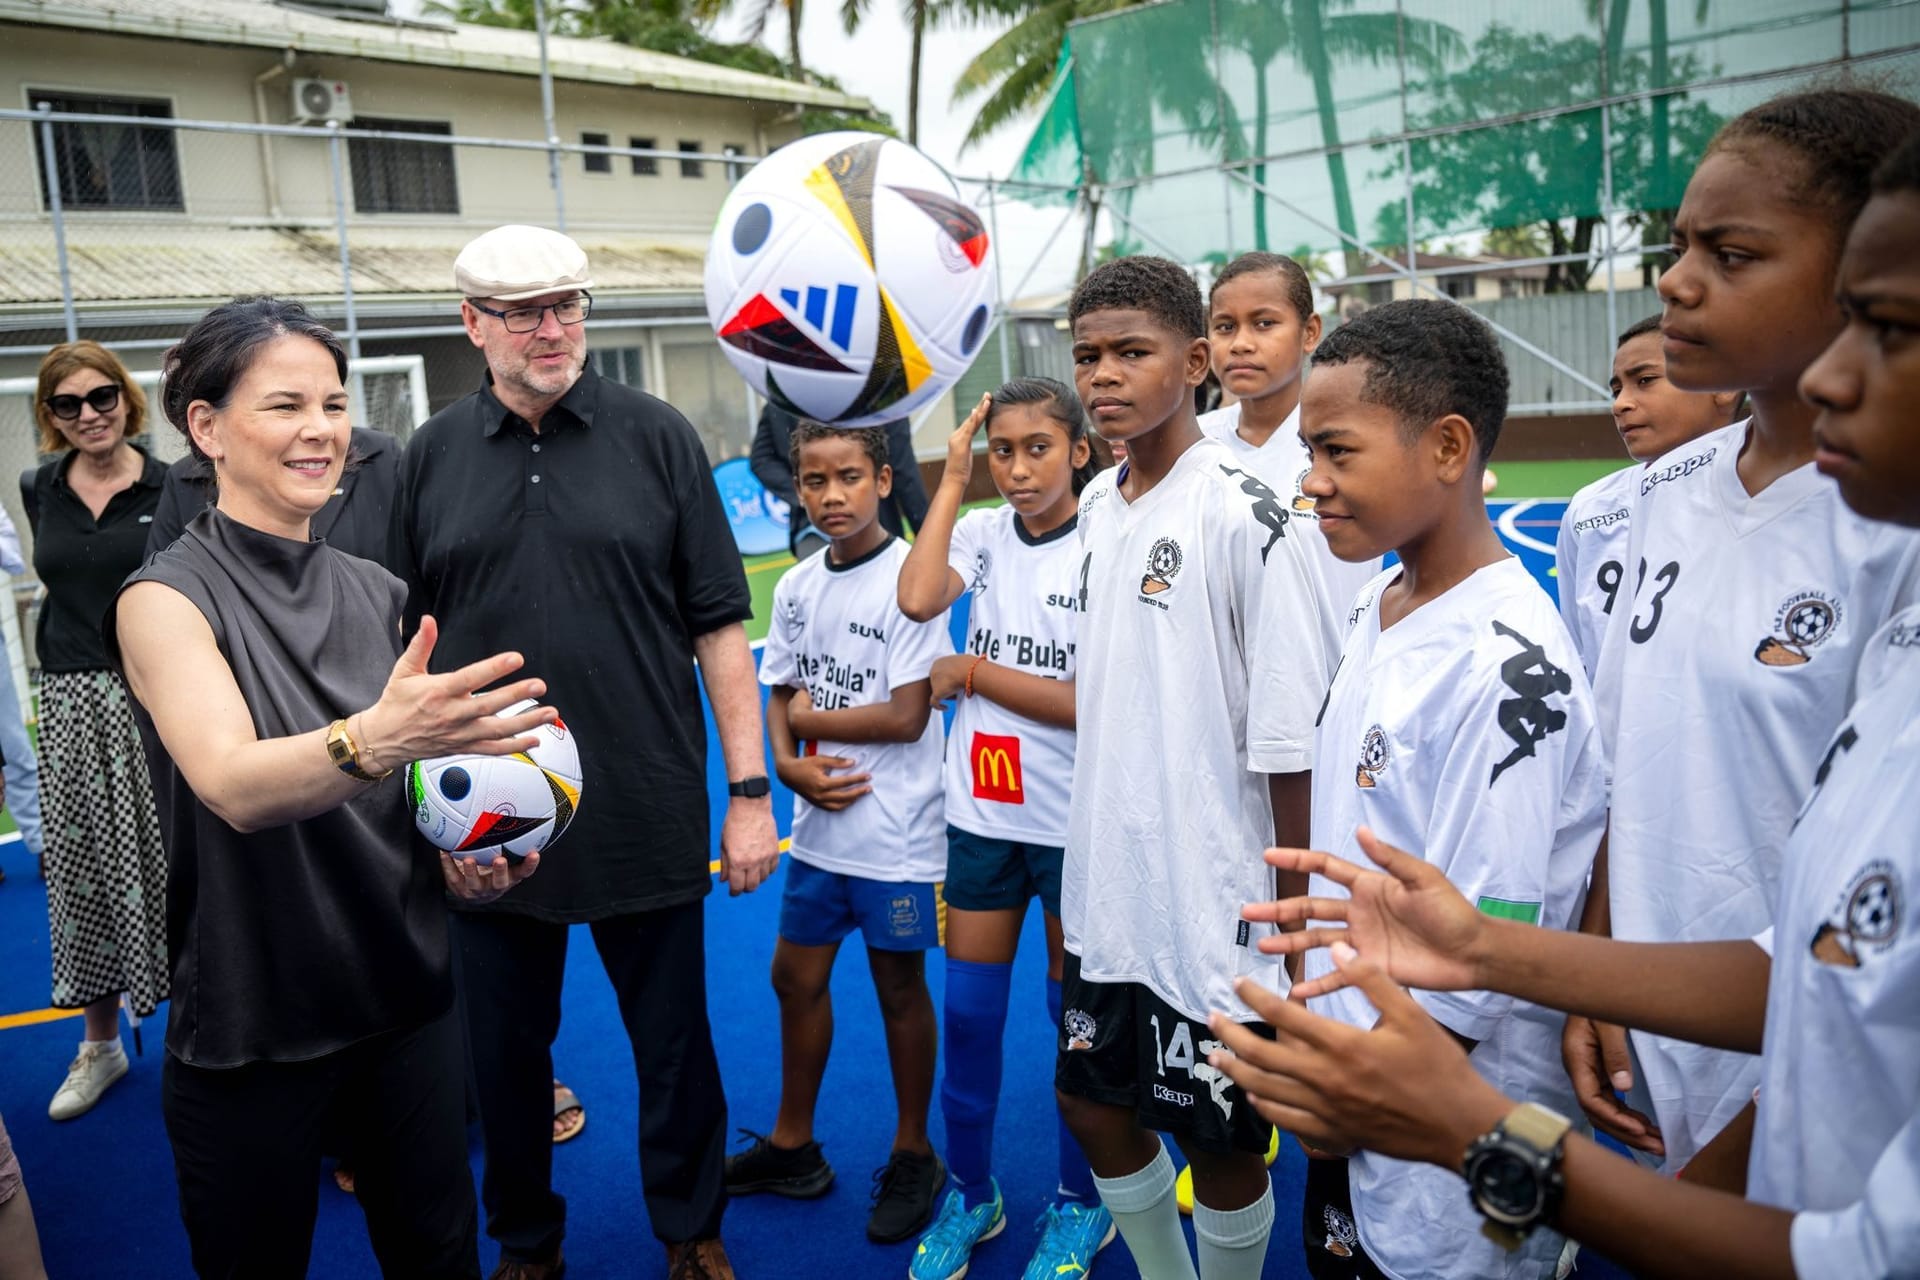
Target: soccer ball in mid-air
{"type": "Point", "coordinates": [847, 281]}
{"type": "Point", "coordinates": [479, 806]}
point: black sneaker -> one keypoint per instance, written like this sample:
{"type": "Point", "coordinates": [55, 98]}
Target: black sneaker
{"type": "Point", "coordinates": [801, 1174]}
{"type": "Point", "coordinates": [905, 1192]}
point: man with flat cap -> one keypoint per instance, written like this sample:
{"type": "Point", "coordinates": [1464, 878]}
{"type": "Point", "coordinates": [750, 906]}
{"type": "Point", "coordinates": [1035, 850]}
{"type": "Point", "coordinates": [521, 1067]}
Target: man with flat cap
{"type": "Point", "coordinates": [574, 520]}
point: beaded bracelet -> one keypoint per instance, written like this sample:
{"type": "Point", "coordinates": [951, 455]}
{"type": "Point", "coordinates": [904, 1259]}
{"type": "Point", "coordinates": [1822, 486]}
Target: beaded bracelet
{"type": "Point", "coordinates": [970, 670]}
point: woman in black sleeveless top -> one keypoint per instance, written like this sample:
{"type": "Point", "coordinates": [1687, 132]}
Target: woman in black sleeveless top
{"type": "Point", "coordinates": [306, 920]}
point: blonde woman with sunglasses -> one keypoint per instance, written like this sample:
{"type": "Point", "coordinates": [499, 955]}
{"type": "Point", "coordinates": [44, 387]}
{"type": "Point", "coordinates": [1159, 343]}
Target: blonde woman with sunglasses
{"type": "Point", "coordinates": [91, 506]}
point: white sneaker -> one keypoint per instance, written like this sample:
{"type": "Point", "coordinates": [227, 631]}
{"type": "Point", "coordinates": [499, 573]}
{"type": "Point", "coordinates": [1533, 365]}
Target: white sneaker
{"type": "Point", "coordinates": [97, 1066]}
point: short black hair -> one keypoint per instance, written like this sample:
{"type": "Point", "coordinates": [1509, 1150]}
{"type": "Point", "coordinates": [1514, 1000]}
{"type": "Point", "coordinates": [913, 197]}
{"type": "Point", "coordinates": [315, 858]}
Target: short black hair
{"type": "Point", "coordinates": [872, 440]}
{"type": "Point", "coordinates": [1899, 173]}
{"type": "Point", "coordinates": [1157, 286]}
{"type": "Point", "coordinates": [1840, 133]}
{"type": "Point", "coordinates": [1292, 275]}
{"type": "Point", "coordinates": [1426, 359]}
{"type": "Point", "coordinates": [1650, 324]}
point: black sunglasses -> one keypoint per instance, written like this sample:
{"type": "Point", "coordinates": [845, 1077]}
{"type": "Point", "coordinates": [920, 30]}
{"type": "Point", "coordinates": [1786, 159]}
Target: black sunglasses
{"type": "Point", "coordinates": [102, 399]}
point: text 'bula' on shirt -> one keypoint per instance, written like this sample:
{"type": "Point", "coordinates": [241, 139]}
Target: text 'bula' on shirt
{"type": "Point", "coordinates": [1021, 651]}
{"type": "Point", "coordinates": [833, 684]}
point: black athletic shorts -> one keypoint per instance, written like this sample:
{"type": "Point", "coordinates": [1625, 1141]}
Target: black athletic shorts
{"type": "Point", "coordinates": [1326, 1225]}
{"type": "Point", "coordinates": [1121, 1044]}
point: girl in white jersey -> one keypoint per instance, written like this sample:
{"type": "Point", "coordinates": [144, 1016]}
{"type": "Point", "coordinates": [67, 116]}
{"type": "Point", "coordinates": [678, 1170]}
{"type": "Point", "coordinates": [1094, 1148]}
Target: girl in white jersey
{"type": "Point", "coordinates": [1834, 1172]}
{"type": "Point", "coordinates": [1261, 326]}
{"type": "Point", "coordinates": [1008, 768]}
{"type": "Point", "coordinates": [1751, 590]}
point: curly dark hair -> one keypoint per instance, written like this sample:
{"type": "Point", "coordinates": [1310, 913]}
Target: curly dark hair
{"type": "Point", "coordinates": [1900, 172]}
{"type": "Point", "coordinates": [1426, 359]}
{"type": "Point", "coordinates": [1161, 288]}
{"type": "Point", "coordinates": [872, 440]}
{"type": "Point", "coordinates": [1841, 134]}
{"type": "Point", "coordinates": [1292, 276]}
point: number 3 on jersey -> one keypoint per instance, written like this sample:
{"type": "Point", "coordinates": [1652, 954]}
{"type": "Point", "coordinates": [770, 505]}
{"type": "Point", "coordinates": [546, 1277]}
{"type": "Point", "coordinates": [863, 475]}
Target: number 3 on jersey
{"type": "Point", "coordinates": [1669, 573]}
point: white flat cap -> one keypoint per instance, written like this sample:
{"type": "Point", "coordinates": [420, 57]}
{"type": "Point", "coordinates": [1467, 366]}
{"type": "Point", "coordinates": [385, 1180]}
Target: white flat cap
{"type": "Point", "coordinates": [514, 263]}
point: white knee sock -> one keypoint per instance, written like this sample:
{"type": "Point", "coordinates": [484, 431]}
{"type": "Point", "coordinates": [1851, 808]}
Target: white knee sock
{"type": "Point", "coordinates": [1233, 1242]}
{"type": "Point", "coordinates": [1142, 1207]}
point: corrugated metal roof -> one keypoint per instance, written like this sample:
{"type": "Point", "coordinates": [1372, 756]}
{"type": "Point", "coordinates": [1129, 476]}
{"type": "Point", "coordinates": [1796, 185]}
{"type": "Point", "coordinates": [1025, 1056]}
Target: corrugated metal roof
{"type": "Point", "coordinates": [143, 263]}
{"type": "Point", "coordinates": [255, 23]}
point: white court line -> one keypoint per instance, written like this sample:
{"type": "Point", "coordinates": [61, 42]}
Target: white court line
{"type": "Point", "coordinates": [1509, 525]}
{"type": "Point", "coordinates": [12, 837]}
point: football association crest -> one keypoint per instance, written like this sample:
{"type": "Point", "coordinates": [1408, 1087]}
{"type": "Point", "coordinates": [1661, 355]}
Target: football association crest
{"type": "Point", "coordinates": [1304, 503]}
{"type": "Point", "coordinates": [1799, 626]}
{"type": "Point", "coordinates": [1374, 757]}
{"type": "Point", "coordinates": [1163, 565]}
{"type": "Point", "coordinates": [1341, 1235]}
{"type": "Point", "coordinates": [1868, 919]}
{"type": "Point", "coordinates": [1080, 1028]}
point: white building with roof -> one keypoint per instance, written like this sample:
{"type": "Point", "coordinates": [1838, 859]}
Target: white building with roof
{"type": "Point", "coordinates": [162, 222]}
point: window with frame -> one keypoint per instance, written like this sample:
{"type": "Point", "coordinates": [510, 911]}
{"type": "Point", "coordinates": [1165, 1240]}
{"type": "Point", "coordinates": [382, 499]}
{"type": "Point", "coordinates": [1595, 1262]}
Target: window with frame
{"type": "Point", "coordinates": [627, 365]}
{"type": "Point", "coordinates": [735, 170]}
{"type": "Point", "coordinates": [393, 175]}
{"type": "Point", "coordinates": [110, 166]}
{"type": "Point", "coordinates": [692, 168]}
{"type": "Point", "coordinates": [645, 166]}
{"type": "Point", "coordinates": [596, 161]}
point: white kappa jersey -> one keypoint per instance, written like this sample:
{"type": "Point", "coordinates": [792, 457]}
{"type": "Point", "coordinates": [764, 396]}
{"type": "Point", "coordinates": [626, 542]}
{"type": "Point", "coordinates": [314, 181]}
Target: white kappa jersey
{"type": "Point", "coordinates": [1205, 648]}
{"type": "Point", "coordinates": [1589, 556]}
{"type": "Point", "coordinates": [838, 633]}
{"type": "Point", "coordinates": [1839, 1120]}
{"type": "Point", "coordinates": [1728, 661]}
{"type": "Point", "coordinates": [1284, 463]}
{"type": "Point", "coordinates": [1007, 774]}
{"type": "Point", "coordinates": [1464, 734]}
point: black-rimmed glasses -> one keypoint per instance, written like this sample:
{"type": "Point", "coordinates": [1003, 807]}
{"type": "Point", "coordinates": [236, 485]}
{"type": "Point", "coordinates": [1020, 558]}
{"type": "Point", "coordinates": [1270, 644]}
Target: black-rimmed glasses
{"type": "Point", "coordinates": [102, 399]}
{"type": "Point", "coordinates": [527, 319]}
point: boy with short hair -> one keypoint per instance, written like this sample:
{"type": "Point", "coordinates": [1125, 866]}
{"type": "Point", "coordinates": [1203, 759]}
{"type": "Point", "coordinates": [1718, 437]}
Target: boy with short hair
{"type": "Point", "coordinates": [1205, 648]}
{"type": "Point", "coordinates": [1652, 416]}
{"type": "Point", "coordinates": [849, 720]}
{"type": "Point", "coordinates": [1459, 727]}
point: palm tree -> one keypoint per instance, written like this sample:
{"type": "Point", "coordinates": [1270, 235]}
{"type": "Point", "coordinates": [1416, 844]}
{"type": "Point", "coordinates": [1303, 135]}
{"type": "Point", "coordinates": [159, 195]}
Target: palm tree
{"type": "Point", "coordinates": [920, 15]}
{"type": "Point", "coordinates": [758, 11]}
{"type": "Point", "coordinates": [1017, 69]}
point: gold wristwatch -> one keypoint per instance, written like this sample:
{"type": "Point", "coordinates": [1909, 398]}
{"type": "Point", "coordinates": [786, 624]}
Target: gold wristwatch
{"type": "Point", "coordinates": [1513, 1173]}
{"type": "Point", "coordinates": [345, 753]}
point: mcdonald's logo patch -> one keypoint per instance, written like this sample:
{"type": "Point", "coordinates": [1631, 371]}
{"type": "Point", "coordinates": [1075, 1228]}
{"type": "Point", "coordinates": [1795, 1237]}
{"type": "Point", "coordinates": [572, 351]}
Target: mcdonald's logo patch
{"type": "Point", "coordinates": [996, 769]}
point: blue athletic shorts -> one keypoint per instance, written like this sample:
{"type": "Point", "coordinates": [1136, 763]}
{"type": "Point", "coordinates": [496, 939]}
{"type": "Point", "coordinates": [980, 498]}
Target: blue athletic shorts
{"type": "Point", "coordinates": [986, 873]}
{"type": "Point", "coordinates": [819, 908]}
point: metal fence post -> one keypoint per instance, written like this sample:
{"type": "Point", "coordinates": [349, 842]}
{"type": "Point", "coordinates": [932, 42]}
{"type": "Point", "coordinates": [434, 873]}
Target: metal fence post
{"type": "Point", "coordinates": [59, 220]}
{"type": "Point", "coordinates": [336, 154]}
{"type": "Point", "coordinates": [999, 296]}
{"type": "Point", "coordinates": [546, 108]}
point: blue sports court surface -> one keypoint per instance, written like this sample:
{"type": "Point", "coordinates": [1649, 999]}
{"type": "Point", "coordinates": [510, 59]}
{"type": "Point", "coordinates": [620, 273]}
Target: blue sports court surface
{"type": "Point", "coordinates": [103, 1190]}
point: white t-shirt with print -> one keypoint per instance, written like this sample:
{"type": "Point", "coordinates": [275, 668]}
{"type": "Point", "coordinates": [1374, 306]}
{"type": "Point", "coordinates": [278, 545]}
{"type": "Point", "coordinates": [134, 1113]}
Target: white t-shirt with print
{"type": "Point", "coordinates": [1284, 463]}
{"type": "Point", "coordinates": [1590, 557]}
{"type": "Point", "coordinates": [838, 633]}
{"type": "Point", "coordinates": [1838, 1137]}
{"type": "Point", "coordinates": [1727, 663]}
{"type": "Point", "coordinates": [1008, 775]}
{"type": "Point", "coordinates": [1205, 648]}
{"type": "Point", "coordinates": [1464, 734]}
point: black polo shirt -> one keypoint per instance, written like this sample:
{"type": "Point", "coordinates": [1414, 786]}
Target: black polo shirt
{"type": "Point", "coordinates": [83, 561]}
{"type": "Point", "coordinates": [599, 549]}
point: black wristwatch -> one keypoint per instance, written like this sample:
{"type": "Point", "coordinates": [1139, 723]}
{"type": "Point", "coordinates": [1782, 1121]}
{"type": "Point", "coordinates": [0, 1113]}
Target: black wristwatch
{"type": "Point", "coordinates": [751, 788]}
{"type": "Point", "coordinates": [1513, 1173]}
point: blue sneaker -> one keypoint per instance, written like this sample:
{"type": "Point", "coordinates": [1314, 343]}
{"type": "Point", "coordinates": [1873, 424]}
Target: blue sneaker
{"type": "Point", "coordinates": [943, 1252]}
{"type": "Point", "coordinates": [1071, 1234]}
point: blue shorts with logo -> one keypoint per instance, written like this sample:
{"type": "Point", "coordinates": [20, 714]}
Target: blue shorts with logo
{"type": "Point", "coordinates": [819, 908]}
{"type": "Point", "coordinates": [986, 873]}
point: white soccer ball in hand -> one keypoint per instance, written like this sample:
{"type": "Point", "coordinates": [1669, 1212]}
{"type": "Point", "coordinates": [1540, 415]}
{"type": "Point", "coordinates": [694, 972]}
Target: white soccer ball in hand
{"type": "Point", "coordinates": [481, 806]}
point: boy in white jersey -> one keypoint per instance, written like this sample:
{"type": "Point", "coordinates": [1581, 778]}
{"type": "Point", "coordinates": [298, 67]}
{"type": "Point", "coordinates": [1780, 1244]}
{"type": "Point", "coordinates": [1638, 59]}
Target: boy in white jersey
{"type": "Point", "coordinates": [1009, 766]}
{"type": "Point", "coordinates": [1652, 416]}
{"type": "Point", "coordinates": [1205, 648]}
{"type": "Point", "coordinates": [1262, 327]}
{"type": "Point", "coordinates": [1834, 1173]}
{"type": "Point", "coordinates": [1729, 658]}
{"type": "Point", "coordinates": [1458, 726]}
{"type": "Point", "coordinates": [849, 719]}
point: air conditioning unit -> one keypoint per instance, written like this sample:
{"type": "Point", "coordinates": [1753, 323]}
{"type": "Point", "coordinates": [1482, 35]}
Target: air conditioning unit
{"type": "Point", "coordinates": [317, 101]}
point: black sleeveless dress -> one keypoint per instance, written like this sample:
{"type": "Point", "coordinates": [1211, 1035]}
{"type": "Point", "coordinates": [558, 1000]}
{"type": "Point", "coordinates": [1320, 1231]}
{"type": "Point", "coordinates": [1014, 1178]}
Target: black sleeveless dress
{"type": "Point", "coordinates": [299, 940]}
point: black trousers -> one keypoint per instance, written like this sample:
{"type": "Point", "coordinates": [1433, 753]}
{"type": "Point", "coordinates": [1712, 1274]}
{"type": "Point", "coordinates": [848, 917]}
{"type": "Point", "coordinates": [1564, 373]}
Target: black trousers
{"type": "Point", "coordinates": [509, 969]}
{"type": "Point", "coordinates": [1333, 1249]}
{"type": "Point", "coordinates": [247, 1143]}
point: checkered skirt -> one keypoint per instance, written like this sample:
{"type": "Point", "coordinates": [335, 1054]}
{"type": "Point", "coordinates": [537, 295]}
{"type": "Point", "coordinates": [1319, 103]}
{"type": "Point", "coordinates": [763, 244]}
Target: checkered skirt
{"type": "Point", "coordinates": [106, 871]}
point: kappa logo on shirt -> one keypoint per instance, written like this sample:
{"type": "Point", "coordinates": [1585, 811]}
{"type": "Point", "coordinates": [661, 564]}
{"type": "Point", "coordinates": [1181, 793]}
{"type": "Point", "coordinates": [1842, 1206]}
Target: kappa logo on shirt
{"type": "Point", "coordinates": [1600, 521]}
{"type": "Point", "coordinates": [1868, 920]}
{"type": "Point", "coordinates": [1799, 625]}
{"type": "Point", "coordinates": [1374, 758]}
{"type": "Point", "coordinates": [1163, 566]}
{"type": "Point", "coordinates": [1676, 471]}
{"type": "Point", "coordinates": [1527, 717]}
{"type": "Point", "coordinates": [1266, 507]}
{"type": "Point", "coordinates": [1904, 636]}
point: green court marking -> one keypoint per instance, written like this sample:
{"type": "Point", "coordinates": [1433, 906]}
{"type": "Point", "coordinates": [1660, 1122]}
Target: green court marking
{"type": "Point", "coordinates": [1505, 909]}
{"type": "Point", "coordinates": [1523, 480]}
